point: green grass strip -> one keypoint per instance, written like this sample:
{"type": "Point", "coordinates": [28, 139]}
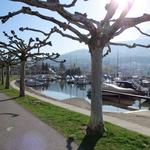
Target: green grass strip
{"type": "Point", "coordinates": [72, 124]}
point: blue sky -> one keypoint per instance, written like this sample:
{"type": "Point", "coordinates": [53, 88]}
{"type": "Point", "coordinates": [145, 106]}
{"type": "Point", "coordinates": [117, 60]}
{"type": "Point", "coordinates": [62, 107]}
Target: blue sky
{"type": "Point", "coordinates": [94, 9]}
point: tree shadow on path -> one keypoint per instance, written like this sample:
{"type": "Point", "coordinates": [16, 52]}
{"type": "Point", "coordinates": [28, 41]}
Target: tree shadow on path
{"type": "Point", "coordinates": [13, 115]}
{"type": "Point", "coordinates": [9, 99]}
{"type": "Point", "coordinates": [69, 142]}
{"type": "Point", "coordinates": [89, 142]}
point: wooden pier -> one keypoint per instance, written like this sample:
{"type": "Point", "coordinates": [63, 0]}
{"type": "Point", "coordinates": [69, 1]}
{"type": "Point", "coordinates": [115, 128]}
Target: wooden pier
{"type": "Point", "coordinates": [121, 94]}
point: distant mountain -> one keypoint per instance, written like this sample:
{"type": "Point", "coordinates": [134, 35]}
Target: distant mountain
{"type": "Point", "coordinates": [81, 57]}
{"type": "Point", "coordinates": [77, 54]}
{"type": "Point", "coordinates": [138, 51]}
{"type": "Point", "coordinates": [126, 55]}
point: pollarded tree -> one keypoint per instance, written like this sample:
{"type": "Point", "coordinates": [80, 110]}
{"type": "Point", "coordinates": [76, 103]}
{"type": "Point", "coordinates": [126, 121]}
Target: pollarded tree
{"type": "Point", "coordinates": [2, 71]}
{"type": "Point", "coordinates": [99, 34]}
{"type": "Point", "coordinates": [23, 51]}
{"type": "Point", "coordinates": [7, 59]}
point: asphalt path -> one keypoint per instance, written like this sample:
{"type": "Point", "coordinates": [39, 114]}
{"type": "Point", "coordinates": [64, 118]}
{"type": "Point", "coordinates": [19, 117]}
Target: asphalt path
{"type": "Point", "coordinates": [20, 130]}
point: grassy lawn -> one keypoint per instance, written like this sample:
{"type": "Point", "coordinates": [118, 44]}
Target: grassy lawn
{"type": "Point", "coordinates": [72, 124]}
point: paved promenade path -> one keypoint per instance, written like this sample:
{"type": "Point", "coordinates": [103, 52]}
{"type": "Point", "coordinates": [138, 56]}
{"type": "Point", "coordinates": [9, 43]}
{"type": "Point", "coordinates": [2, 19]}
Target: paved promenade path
{"type": "Point", "coordinates": [20, 130]}
{"type": "Point", "coordinates": [135, 121]}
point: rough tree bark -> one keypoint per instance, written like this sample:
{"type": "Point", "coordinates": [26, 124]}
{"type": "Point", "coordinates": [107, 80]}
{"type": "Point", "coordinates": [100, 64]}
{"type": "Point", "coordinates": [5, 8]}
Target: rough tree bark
{"type": "Point", "coordinates": [7, 77]}
{"type": "Point", "coordinates": [22, 78]}
{"type": "Point", "coordinates": [96, 125]}
{"type": "Point", "coordinates": [2, 82]}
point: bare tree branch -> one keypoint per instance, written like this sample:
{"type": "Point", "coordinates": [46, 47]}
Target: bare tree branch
{"type": "Point", "coordinates": [45, 56]}
{"type": "Point", "coordinates": [63, 25]}
{"type": "Point", "coordinates": [40, 4]}
{"type": "Point", "coordinates": [55, 29]}
{"type": "Point", "coordinates": [69, 5]}
{"type": "Point", "coordinates": [122, 29]}
{"type": "Point", "coordinates": [15, 42]}
{"type": "Point", "coordinates": [141, 31]}
{"type": "Point", "coordinates": [24, 50]}
{"type": "Point", "coordinates": [34, 30]}
{"type": "Point", "coordinates": [77, 17]}
{"type": "Point", "coordinates": [130, 46]}
{"type": "Point", "coordinates": [9, 46]}
{"type": "Point", "coordinates": [107, 51]}
{"type": "Point", "coordinates": [131, 22]}
{"type": "Point", "coordinates": [111, 9]}
{"type": "Point", "coordinates": [118, 24]}
{"type": "Point", "coordinates": [7, 58]}
{"type": "Point", "coordinates": [67, 35]}
{"type": "Point", "coordinates": [18, 47]}
{"type": "Point", "coordinates": [126, 9]}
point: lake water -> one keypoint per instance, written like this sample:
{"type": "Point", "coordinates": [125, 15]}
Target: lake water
{"type": "Point", "coordinates": [60, 90]}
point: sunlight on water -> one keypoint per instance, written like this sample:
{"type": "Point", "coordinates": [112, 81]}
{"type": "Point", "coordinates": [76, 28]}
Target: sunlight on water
{"type": "Point", "coordinates": [57, 95]}
{"type": "Point", "coordinates": [110, 108]}
{"type": "Point", "coordinates": [62, 91]}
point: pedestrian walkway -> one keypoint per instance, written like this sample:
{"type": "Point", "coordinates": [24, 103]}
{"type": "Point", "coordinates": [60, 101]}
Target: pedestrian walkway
{"type": "Point", "coordinates": [20, 130]}
{"type": "Point", "coordinates": [112, 118]}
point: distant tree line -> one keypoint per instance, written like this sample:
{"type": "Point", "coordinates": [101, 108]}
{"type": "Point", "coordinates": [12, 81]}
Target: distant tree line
{"type": "Point", "coordinates": [73, 71]}
{"type": "Point", "coordinates": [45, 67]}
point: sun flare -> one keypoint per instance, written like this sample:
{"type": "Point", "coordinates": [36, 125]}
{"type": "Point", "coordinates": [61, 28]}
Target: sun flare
{"type": "Point", "coordinates": [135, 8]}
{"type": "Point", "coordinates": [123, 2]}
{"type": "Point", "coordinates": [138, 9]}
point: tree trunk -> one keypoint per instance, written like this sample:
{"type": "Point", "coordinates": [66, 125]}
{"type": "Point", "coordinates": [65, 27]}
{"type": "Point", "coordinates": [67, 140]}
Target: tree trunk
{"type": "Point", "coordinates": [22, 78]}
{"type": "Point", "coordinates": [96, 121]}
{"type": "Point", "coordinates": [7, 77]}
{"type": "Point", "coordinates": [2, 75]}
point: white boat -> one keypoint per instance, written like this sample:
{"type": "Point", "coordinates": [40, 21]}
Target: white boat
{"type": "Point", "coordinates": [82, 81]}
{"type": "Point", "coordinates": [116, 88]}
{"type": "Point", "coordinates": [32, 82]}
{"type": "Point", "coordinates": [70, 80]}
{"type": "Point", "coordinates": [107, 88]}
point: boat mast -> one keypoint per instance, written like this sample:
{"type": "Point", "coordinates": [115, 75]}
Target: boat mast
{"type": "Point", "coordinates": [117, 74]}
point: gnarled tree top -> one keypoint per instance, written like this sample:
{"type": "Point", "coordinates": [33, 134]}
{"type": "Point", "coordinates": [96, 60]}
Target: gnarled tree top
{"type": "Point", "coordinates": [103, 30]}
